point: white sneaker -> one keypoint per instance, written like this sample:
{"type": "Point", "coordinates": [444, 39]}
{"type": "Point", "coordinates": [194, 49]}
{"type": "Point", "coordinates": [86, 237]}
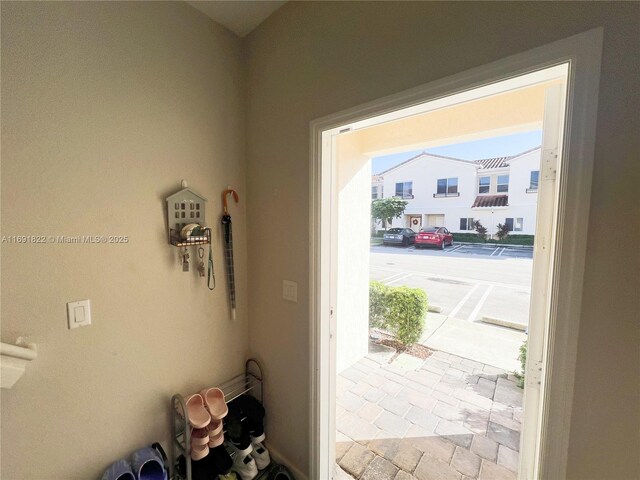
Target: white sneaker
{"type": "Point", "coordinates": [261, 455]}
{"type": "Point", "coordinates": [245, 466]}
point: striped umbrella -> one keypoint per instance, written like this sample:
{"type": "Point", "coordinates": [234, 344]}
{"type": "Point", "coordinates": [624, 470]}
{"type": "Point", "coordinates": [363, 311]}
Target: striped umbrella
{"type": "Point", "coordinates": [228, 249]}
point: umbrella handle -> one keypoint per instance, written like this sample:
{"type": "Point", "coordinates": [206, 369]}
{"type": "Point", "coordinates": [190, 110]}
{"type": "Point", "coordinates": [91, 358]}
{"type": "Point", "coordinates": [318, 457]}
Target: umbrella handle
{"type": "Point", "coordinates": [224, 199]}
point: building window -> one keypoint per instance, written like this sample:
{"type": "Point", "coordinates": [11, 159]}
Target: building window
{"type": "Point", "coordinates": [404, 189]}
{"type": "Point", "coordinates": [484, 184]}
{"type": "Point", "coordinates": [448, 186]}
{"type": "Point", "coordinates": [514, 226]}
{"type": "Point", "coordinates": [467, 224]}
{"type": "Point", "coordinates": [374, 193]}
{"type": "Point", "coordinates": [533, 181]}
{"type": "Point", "coordinates": [503, 183]}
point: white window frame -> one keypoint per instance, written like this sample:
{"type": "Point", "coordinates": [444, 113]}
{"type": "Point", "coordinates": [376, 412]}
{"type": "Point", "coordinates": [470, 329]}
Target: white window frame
{"type": "Point", "coordinates": [404, 190]}
{"type": "Point", "coordinates": [488, 186]}
{"type": "Point", "coordinates": [468, 224]}
{"type": "Point", "coordinates": [532, 189]}
{"type": "Point", "coordinates": [514, 222]}
{"type": "Point", "coordinates": [582, 52]}
{"type": "Point", "coordinates": [498, 184]}
{"type": "Point", "coordinates": [446, 188]}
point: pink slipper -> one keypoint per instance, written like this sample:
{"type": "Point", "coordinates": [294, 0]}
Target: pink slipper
{"type": "Point", "coordinates": [199, 436]}
{"type": "Point", "coordinates": [214, 401]}
{"type": "Point", "coordinates": [198, 452]}
{"type": "Point", "coordinates": [198, 415]}
{"type": "Point", "coordinates": [215, 427]}
{"type": "Point", "coordinates": [215, 441]}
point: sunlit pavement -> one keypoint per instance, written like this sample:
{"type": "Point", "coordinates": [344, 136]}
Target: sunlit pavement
{"type": "Point", "coordinates": [444, 417]}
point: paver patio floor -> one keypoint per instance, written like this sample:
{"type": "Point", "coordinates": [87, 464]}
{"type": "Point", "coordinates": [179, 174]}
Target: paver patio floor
{"type": "Point", "coordinates": [446, 417]}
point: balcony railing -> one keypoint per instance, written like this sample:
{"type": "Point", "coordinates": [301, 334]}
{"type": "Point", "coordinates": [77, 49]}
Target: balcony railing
{"type": "Point", "coordinates": [532, 190]}
{"type": "Point", "coordinates": [443, 195]}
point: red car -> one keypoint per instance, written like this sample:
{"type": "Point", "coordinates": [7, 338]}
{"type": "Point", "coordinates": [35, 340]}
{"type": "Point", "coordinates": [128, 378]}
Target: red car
{"type": "Point", "coordinates": [435, 236]}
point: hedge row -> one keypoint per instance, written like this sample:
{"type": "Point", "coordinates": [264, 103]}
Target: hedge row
{"type": "Point", "coordinates": [509, 240]}
{"type": "Point", "coordinates": [400, 310]}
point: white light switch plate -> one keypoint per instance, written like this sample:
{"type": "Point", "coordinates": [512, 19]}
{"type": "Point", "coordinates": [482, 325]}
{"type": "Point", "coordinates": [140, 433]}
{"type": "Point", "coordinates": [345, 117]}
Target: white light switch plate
{"type": "Point", "coordinates": [290, 290]}
{"type": "Point", "coordinates": [79, 313]}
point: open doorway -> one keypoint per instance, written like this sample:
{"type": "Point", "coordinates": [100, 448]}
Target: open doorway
{"type": "Point", "coordinates": [340, 183]}
{"type": "Point", "coordinates": [436, 394]}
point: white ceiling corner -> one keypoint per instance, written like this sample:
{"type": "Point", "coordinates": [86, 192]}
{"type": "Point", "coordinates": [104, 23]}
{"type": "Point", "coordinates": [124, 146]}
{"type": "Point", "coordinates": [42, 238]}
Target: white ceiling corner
{"type": "Point", "coordinates": [239, 16]}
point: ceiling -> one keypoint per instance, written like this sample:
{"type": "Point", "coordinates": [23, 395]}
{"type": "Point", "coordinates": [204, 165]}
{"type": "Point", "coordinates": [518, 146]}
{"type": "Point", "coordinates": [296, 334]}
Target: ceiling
{"type": "Point", "coordinates": [239, 16]}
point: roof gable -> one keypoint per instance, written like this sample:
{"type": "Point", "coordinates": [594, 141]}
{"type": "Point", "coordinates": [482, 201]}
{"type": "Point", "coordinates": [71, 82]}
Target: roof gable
{"type": "Point", "coordinates": [428, 156]}
{"type": "Point", "coordinates": [182, 192]}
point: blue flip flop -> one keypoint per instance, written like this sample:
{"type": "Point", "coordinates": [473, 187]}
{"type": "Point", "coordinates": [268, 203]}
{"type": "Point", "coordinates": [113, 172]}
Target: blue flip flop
{"type": "Point", "coordinates": [121, 470]}
{"type": "Point", "coordinates": [148, 464]}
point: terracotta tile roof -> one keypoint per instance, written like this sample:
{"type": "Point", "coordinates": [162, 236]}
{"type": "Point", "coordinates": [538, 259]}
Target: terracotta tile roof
{"type": "Point", "coordinates": [483, 201]}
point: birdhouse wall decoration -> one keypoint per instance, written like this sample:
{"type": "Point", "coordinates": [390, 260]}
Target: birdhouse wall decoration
{"type": "Point", "coordinates": [184, 208]}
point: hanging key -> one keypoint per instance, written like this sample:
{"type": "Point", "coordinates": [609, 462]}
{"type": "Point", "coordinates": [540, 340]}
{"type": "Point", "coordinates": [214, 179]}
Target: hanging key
{"type": "Point", "coordinates": [201, 270]}
{"type": "Point", "coordinates": [185, 262]}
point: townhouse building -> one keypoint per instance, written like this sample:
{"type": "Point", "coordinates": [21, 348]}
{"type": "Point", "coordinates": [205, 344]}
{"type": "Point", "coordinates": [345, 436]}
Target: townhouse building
{"type": "Point", "coordinates": [455, 193]}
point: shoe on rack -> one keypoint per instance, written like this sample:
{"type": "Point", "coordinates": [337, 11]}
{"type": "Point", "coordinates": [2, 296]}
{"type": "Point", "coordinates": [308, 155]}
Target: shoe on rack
{"type": "Point", "coordinates": [198, 415]}
{"type": "Point", "coordinates": [199, 436]}
{"type": "Point", "coordinates": [214, 402]}
{"type": "Point", "coordinates": [198, 452]}
{"type": "Point", "coordinates": [237, 431]}
{"type": "Point", "coordinates": [245, 466]}
{"type": "Point", "coordinates": [221, 460]}
{"type": "Point", "coordinates": [261, 455]}
{"type": "Point", "coordinates": [228, 476]}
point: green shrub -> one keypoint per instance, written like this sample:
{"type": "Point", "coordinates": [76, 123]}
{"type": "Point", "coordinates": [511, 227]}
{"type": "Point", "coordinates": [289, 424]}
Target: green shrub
{"type": "Point", "coordinates": [400, 310]}
{"type": "Point", "coordinates": [510, 240]}
{"type": "Point", "coordinates": [519, 239]}
{"type": "Point", "coordinates": [523, 362]}
{"type": "Point", "coordinates": [377, 304]}
{"type": "Point", "coordinates": [481, 230]}
{"type": "Point", "coordinates": [502, 231]}
{"type": "Point", "coordinates": [467, 237]}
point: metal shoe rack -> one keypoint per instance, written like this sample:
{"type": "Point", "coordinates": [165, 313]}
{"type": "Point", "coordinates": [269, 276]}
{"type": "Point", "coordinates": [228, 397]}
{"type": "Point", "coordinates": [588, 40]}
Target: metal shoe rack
{"type": "Point", "coordinates": [251, 381]}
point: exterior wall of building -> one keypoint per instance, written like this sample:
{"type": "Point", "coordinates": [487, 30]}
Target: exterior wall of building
{"type": "Point", "coordinates": [354, 213]}
{"type": "Point", "coordinates": [424, 173]}
{"type": "Point", "coordinates": [522, 200]}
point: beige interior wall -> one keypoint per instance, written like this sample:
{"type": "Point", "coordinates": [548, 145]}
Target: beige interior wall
{"type": "Point", "coordinates": [312, 59]}
{"type": "Point", "coordinates": [106, 106]}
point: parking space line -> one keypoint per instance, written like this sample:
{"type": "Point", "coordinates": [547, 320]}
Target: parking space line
{"type": "Point", "coordinates": [455, 248]}
{"type": "Point", "coordinates": [399, 274]}
{"type": "Point", "coordinates": [479, 305]}
{"type": "Point", "coordinates": [398, 279]}
{"type": "Point", "coordinates": [494, 252]}
{"type": "Point", "coordinates": [501, 251]}
{"type": "Point", "coordinates": [460, 304]}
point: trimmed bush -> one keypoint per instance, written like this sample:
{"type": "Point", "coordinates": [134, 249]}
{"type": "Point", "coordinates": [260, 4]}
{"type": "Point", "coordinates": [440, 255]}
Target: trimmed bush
{"type": "Point", "coordinates": [377, 304]}
{"type": "Point", "coordinates": [401, 310]}
{"type": "Point", "coordinates": [510, 240]}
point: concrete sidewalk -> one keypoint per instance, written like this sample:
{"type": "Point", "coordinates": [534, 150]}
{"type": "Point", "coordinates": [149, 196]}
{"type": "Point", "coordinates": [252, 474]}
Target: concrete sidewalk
{"type": "Point", "coordinates": [488, 344]}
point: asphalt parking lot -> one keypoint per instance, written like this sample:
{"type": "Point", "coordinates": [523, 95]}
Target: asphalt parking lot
{"type": "Point", "coordinates": [467, 282]}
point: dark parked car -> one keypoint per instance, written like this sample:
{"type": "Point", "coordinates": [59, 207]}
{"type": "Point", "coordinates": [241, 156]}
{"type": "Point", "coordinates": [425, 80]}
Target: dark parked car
{"type": "Point", "coordinates": [435, 236]}
{"type": "Point", "coordinates": [399, 236]}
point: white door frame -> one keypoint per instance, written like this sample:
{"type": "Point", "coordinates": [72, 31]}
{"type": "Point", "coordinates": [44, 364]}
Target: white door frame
{"type": "Point", "coordinates": [583, 53]}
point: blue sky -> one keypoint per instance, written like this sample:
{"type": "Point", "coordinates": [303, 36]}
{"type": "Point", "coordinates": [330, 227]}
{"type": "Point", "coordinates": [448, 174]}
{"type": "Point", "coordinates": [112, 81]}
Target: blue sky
{"type": "Point", "coordinates": [486, 148]}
